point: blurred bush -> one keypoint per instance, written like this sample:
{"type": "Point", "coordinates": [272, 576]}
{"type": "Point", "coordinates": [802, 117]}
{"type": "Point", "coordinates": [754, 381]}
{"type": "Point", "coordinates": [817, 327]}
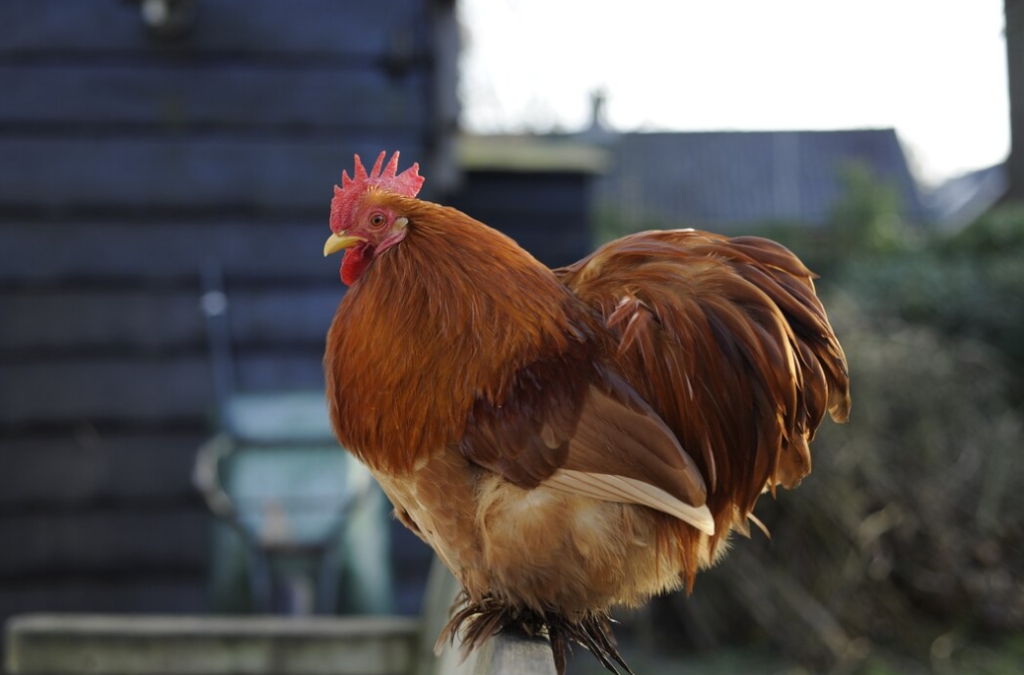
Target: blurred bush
{"type": "Point", "coordinates": [969, 285]}
{"type": "Point", "coordinates": [867, 216]}
{"type": "Point", "coordinates": [998, 231]}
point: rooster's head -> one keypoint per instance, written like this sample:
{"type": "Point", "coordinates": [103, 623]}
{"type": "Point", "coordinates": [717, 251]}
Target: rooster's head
{"type": "Point", "coordinates": [366, 217]}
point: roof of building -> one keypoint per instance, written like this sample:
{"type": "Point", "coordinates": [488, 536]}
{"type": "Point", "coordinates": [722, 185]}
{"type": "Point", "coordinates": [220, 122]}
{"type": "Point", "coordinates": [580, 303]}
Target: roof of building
{"type": "Point", "coordinates": [527, 154]}
{"type": "Point", "coordinates": [960, 200]}
{"type": "Point", "coordinates": [726, 178]}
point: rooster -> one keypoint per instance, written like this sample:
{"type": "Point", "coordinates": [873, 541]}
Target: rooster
{"type": "Point", "coordinates": [569, 440]}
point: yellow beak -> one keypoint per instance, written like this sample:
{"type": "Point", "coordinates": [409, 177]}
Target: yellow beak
{"type": "Point", "coordinates": [339, 242]}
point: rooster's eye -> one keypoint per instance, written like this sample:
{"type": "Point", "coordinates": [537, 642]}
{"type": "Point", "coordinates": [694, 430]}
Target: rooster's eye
{"type": "Point", "coordinates": [377, 220]}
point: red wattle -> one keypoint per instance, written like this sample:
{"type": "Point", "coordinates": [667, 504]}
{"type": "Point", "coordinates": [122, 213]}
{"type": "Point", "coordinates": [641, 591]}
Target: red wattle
{"type": "Point", "coordinates": [357, 259]}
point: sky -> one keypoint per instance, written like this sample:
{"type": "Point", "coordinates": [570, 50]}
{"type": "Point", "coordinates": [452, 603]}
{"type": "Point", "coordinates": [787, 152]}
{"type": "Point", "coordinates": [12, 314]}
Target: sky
{"type": "Point", "coordinates": [933, 69]}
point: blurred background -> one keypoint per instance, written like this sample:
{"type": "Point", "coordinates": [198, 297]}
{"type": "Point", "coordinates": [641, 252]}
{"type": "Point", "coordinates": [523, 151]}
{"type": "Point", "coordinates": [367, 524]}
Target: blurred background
{"type": "Point", "coordinates": [165, 175]}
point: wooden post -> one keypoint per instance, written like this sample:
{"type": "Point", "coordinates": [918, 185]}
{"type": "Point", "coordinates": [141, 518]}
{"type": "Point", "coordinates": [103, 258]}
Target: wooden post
{"type": "Point", "coordinates": [509, 653]}
{"type": "Point", "coordinates": [513, 653]}
{"type": "Point", "coordinates": [1015, 61]}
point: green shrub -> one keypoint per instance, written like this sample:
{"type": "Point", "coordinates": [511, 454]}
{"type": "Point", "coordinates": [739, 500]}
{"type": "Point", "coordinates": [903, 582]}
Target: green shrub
{"type": "Point", "coordinates": [968, 296]}
{"type": "Point", "coordinates": [867, 217]}
{"type": "Point", "coordinates": [999, 231]}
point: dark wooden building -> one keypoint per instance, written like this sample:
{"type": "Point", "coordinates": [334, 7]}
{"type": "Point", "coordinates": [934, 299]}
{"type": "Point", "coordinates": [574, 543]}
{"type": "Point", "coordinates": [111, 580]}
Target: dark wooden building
{"type": "Point", "coordinates": [133, 160]}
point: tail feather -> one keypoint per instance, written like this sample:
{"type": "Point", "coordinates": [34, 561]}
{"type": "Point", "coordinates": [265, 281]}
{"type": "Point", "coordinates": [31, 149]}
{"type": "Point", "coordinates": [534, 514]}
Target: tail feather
{"type": "Point", "coordinates": [728, 342]}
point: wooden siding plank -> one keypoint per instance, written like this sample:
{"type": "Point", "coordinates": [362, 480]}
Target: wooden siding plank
{"type": "Point", "coordinates": [177, 594]}
{"type": "Point", "coordinates": [140, 390]}
{"type": "Point", "coordinates": [186, 172]}
{"type": "Point", "coordinates": [563, 194]}
{"type": "Point", "coordinates": [285, 316]}
{"type": "Point", "coordinates": [61, 320]}
{"type": "Point", "coordinates": [282, 370]}
{"type": "Point", "coordinates": [89, 467]}
{"type": "Point", "coordinates": [106, 541]}
{"type": "Point", "coordinates": [161, 249]}
{"type": "Point", "coordinates": [167, 250]}
{"type": "Point", "coordinates": [141, 320]}
{"type": "Point", "coordinates": [177, 97]}
{"type": "Point", "coordinates": [256, 28]}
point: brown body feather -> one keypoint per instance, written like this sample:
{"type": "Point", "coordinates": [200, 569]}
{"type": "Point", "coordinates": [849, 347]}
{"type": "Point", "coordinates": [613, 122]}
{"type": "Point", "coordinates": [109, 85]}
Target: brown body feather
{"type": "Point", "coordinates": [571, 440]}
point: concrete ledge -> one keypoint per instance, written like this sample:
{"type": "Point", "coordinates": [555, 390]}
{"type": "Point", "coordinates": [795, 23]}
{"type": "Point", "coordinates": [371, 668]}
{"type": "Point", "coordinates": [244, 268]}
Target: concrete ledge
{"type": "Point", "coordinates": [54, 644]}
{"type": "Point", "coordinates": [103, 644]}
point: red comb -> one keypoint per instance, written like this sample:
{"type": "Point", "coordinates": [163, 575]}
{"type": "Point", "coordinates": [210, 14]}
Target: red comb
{"type": "Point", "coordinates": [407, 184]}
